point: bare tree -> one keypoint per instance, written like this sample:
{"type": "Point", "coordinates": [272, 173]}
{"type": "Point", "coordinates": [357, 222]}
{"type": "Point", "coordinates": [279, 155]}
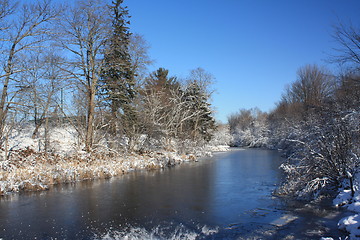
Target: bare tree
{"type": "Point", "coordinates": [312, 88]}
{"type": "Point", "coordinates": [348, 38]}
{"type": "Point", "coordinates": [241, 120]}
{"type": "Point", "coordinates": [203, 79]}
{"type": "Point", "coordinates": [348, 93]}
{"type": "Point", "coordinates": [6, 9]}
{"type": "Point", "coordinates": [27, 32]}
{"type": "Point", "coordinates": [82, 33]}
{"type": "Point", "coordinates": [42, 81]}
{"type": "Point", "coordinates": [140, 59]}
{"type": "Point", "coordinates": [324, 154]}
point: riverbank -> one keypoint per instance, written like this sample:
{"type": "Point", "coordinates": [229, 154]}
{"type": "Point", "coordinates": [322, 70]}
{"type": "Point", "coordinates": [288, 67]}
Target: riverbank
{"type": "Point", "coordinates": [346, 200]}
{"type": "Point", "coordinates": [27, 169]}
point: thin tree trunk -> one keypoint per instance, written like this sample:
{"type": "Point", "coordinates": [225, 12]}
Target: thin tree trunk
{"type": "Point", "coordinates": [4, 94]}
{"type": "Point", "coordinates": [39, 122]}
{"type": "Point", "coordinates": [46, 135]}
{"type": "Point", "coordinates": [195, 129]}
{"type": "Point", "coordinates": [90, 120]}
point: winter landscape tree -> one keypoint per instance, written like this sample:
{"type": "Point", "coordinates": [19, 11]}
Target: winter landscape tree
{"type": "Point", "coordinates": [82, 33]}
{"type": "Point", "coordinates": [140, 59]}
{"type": "Point", "coordinates": [26, 31]}
{"type": "Point", "coordinates": [42, 84]}
{"type": "Point", "coordinates": [117, 83]}
{"type": "Point", "coordinates": [197, 96]}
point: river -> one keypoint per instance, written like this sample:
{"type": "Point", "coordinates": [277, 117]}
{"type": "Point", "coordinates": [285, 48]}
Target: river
{"type": "Point", "coordinates": [228, 196]}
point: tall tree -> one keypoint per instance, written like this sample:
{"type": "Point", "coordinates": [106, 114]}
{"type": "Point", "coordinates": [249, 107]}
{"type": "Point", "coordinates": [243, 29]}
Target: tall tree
{"type": "Point", "coordinates": [6, 8]}
{"type": "Point", "coordinates": [348, 39]}
{"type": "Point", "coordinates": [82, 33]}
{"type": "Point", "coordinates": [117, 84]}
{"type": "Point", "coordinates": [313, 87]}
{"type": "Point", "coordinates": [42, 81]}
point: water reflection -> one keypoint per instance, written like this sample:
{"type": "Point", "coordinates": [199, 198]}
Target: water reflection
{"type": "Point", "coordinates": [243, 182]}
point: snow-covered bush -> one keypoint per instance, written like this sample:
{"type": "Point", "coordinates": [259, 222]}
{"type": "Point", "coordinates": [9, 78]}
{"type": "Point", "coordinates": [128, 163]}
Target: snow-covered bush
{"type": "Point", "coordinates": [326, 153]}
{"type": "Point", "coordinates": [249, 128]}
{"type": "Point", "coordinates": [221, 136]}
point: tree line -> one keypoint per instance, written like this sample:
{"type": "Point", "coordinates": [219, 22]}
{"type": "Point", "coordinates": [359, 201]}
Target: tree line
{"type": "Point", "coordinates": [316, 123]}
{"type": "Point", "coordinates": [79, 64]}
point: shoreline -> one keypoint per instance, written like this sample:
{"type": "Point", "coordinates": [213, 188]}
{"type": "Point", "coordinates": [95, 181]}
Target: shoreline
{"type": "Point", "coordinates": [28, 170]}
{"type": "Point", "coordinates": [345, 201]}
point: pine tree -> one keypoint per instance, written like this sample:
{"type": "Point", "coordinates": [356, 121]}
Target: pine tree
{"type": "Point", "coordinates": [160, 82]}
{"type": "Point", "coordinates": [117, 84]}
{"type": "Point", "coordinates": [202, 122]}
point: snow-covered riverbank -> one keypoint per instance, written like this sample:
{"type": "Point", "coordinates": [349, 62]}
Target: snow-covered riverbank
{"type": "Point", "coordinates": [25, 167]}
{"type": "Point", "coordinates": [350, 224]}
{"type": "Point", "coordinates": [30, 170]}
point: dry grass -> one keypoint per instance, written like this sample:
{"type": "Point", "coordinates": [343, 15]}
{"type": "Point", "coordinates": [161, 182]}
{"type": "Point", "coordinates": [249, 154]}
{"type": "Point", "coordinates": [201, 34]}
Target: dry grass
{"type": "Point", "coordinates": [28, 170]}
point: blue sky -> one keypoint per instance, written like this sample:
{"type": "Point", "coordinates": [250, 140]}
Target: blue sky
{"type": "Point", "coordinates": [252, 47]}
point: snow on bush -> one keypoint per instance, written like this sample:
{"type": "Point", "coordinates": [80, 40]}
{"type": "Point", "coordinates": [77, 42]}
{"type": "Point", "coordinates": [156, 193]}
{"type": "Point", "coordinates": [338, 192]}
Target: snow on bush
{"type": "Point", "coordinates": [350, 224]}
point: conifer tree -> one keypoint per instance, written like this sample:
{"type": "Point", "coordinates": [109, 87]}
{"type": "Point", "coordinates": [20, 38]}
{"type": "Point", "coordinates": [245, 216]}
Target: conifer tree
{"type": "Point", "coordinates": [202, 121]}
{"type": "Point", "coordinates": [161, 83]}
{"type": "Point", "coordinates": [117, 84]}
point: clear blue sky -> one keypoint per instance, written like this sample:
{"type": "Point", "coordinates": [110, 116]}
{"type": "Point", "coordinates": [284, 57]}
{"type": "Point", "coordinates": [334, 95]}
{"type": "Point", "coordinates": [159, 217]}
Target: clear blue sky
{"type": "Point", "coordinates": [252, 47]}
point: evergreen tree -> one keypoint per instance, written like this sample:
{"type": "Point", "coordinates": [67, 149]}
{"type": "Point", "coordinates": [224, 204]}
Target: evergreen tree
{"type": "Point", "coordinates": [160, 82]}
{"type": "Point", "coordinates": [202, 121]}
{"type": "Point", "coordinates": [117, 84]}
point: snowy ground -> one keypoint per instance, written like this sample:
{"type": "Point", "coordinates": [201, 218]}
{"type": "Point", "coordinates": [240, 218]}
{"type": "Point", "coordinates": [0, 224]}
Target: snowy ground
{"type": "Point", "coordinates": [350, 224]}
{"type": "Point", "coordinates": [24, 166]}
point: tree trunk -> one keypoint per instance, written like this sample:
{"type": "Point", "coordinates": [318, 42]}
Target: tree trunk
{"type": "Point", "coordinates": [4, 94]}
{"type": "Point", "coordinates": [90, 120]}
{"type": "Point", "coordinates": [194, 135]}
{"type": "Point", "coordinates": [39, 122]}
{"type": "Point", "coordinates": [47, 140]}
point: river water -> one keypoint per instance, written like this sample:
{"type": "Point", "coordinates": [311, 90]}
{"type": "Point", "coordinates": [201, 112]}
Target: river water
{"type": "Point", "coordinates": [228, 196]}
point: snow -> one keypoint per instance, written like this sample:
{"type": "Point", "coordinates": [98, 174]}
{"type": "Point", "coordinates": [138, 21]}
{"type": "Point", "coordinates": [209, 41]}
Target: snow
{"type": "Point", "coordinates": [28, 167]}
{"type": "Point", "coordinates": [179, 232]}
{"type": "Point", "coordinates": [350, 224]}
{"type": "Point", "coordinates": [219, 148]}
{"type": "Point", "coordinates": [63, 139]}
{"type": "Point", "coordinates": [342, 198]}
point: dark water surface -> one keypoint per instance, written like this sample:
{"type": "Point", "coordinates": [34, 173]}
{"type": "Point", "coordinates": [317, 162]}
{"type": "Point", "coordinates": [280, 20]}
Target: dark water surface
{"type": "Point", "coordinates": [227, 196]}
